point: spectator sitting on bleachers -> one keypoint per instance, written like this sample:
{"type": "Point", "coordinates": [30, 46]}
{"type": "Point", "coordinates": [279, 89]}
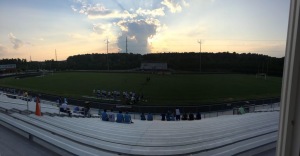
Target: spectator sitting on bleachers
{"type": "Point", "coordinates": [120, 117]}
{"type": "Point", "coordinates": [168, 116]}
{"type": "Point", "coordinates": [163, 117]}
{"type": "Point", "coordinates": [143, 116]}
{"type": "Point", "coordinates": [86, 108]}
{"type": "Point", "coordinates": [76, 109]}
{"type": "Point", "coordinates": [150, 117]}
{"type": "Point", "coordinates": [104, 116]}
{"type": "Point", "coordinates": [198, 116]}
{"type": "Point", "coordinates": [172, 117]}
{"type": "Point", "coordinates": [191, 116]}
{"type": "Point", "coordinates": [184, 116]}
{"type": "Point", "coordinates": [241, 110]}
{"type": "Point", "coordinates": [64, 108]}
{"type": "Point", "coordinates": [111, 116]}
{"type": "Point", "coordinates": [127, 118]}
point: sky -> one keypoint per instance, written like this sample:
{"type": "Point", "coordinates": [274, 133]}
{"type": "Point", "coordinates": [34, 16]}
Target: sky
{"type": "Point", "coordinates": [37, 28]}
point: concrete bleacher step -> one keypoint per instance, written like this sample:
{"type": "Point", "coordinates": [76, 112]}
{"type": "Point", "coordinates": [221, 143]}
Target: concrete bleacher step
{"type": "Point", "coordinates": [181, 126]}
{"type": "Point", "coordinates": [130, 138]}
{"type": "Point", "coordinates": [120, 146]}
{"type": "Point", "coordinates": [240, 148]}
{"type": "Point", "coordinates": [192, 133]}
{"type": "Point", "coordinates": [43, 136]}
{"type": "Point", "coordinates": [155, 124]}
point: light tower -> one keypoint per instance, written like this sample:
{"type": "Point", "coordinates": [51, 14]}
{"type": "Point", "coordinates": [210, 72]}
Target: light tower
{"type": "Point", "coordinates": [200, 42]}
{"type": "Point", "coordinates": [126, 45]}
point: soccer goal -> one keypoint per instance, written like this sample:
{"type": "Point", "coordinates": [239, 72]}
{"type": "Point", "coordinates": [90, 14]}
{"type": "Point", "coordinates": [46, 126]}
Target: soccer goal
{"type": "Point", "coordinates": [261, 75]}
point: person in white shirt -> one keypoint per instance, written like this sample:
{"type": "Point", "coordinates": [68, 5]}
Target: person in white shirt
{"type": "Point", "coordinates": [64, 108]}
{"type": "Point", "coordinates": [111, 116]}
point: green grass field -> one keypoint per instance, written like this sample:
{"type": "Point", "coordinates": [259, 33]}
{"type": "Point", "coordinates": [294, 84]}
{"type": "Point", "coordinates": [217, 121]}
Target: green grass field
{"type": "Point", "coordinates": [161, 89]}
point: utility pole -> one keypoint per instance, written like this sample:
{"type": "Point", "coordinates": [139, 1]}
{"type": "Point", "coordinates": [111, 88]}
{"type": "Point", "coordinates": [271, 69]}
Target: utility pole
{"type": "Point", "coordinates": [107, 53]}
{"type": "Point", "coordinates": [126, 45]}
{"type": "Point", "coordinates": [199, 41]}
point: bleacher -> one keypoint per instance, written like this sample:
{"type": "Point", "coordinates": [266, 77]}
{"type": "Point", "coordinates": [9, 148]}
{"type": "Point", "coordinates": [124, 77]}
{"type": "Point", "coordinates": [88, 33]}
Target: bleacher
{"type": "Point", "coordinates": [225, 135]}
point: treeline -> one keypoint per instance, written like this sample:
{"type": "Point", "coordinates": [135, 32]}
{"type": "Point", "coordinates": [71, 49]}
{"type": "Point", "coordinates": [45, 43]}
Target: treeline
{"type": "Point", "coordinates": [209, 62]}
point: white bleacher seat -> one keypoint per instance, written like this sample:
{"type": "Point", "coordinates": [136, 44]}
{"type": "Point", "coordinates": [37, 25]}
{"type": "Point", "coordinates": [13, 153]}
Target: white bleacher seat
{"type": "Point", "coordinates": [225, 135]}
{"type": "Point", "coordinates": [162, 138]}
{"type": "Point", "coordinates": [65, 144]}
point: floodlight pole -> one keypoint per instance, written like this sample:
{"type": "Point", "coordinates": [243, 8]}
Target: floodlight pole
{"type": "Point", "coordinates": [126, 45]}
{"type": "Point", "coordinates": [199, 41]}
{"type": "Point", "coordinates": [107, 53]}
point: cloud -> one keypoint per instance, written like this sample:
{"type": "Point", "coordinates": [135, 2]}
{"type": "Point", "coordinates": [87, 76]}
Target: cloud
{"type": "Point", "coordinates": [153, 13]}
{"type": "Point", "coordinates": [138, 33]}
{"type": "Point", "coordinates": [140, 24]}
{"type": "Point", "coordinates": [98, 11]}
{"type": "Point", "coordinates": [17, 43]}
{"type": "Point", "coordinates": [185, 3]}
{"type": "Point", "coordinates": [172, 5]}
{"type": "Point", "coordinates": [102, 28]}
{"type": "Point", "coordinates": [73, 8]}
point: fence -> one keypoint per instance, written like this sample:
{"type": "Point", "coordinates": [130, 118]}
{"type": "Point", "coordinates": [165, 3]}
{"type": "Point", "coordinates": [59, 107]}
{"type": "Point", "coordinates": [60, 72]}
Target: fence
{"type": "Point", "coordinates": [249, 106]}
{"type": "Point", "coordinates": [211, 107]}
{"type": "Point", "coordinates": [233, 111]}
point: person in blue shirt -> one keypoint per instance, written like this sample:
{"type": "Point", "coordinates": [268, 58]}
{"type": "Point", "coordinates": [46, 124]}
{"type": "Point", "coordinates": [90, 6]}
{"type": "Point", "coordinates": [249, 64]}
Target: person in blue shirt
{"type": "Point", "coordinates": [76, 109]}
{"type": "Point", "coordinates": [127, 118]}
{"type": "Point", "coordinates": [104, 115]}
{"type": "Point", "coordinates": [143, 116]}
{"type": "Point", "coordinates": [120, 117]}
{"type": "Point", "coordinates": [150, 117]}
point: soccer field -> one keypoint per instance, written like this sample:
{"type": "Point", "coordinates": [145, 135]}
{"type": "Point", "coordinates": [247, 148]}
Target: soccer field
{"type": "Point", "coordinates": [161, 89]}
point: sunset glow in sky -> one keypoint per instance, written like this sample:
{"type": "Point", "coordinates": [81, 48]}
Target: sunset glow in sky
{"type": "Point", "coordinates": [37, 27]}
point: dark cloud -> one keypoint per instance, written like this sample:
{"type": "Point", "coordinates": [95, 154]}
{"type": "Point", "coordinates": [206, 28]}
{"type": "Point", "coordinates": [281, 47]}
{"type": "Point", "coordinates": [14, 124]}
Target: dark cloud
{"type": "Point", "coordinates": [137, 32]}
{"type": "Point", "coordinates": [17, 43]}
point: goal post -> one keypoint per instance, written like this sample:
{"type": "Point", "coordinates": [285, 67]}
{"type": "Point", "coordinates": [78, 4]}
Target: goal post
{"type": "Point", "coordinates": [261, 75]}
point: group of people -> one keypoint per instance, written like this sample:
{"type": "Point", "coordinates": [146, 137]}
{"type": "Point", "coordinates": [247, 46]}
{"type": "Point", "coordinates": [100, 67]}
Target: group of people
{"type": "Point", "coordinates": [127, 97]}
{"type": "Point", "coordinates": [121, 118]}
{"type": "Point", "coordinates": [172, 116]}
{"type": "Point", "coordinates": [149, 117]}
{"type": "Point", "coordinates": [63, 107]}
{"type": "Point", "coordinates": [106, 94]}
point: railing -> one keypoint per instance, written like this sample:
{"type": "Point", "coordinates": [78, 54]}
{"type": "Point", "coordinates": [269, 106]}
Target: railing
{"type": "Point", "coordinates": [213, 110]}
{"type": "Point", "coordinates": [157, 116]}
{"type": "Point", "coordinates": [26, 101]}
{"type": "Point", "coordinates": [249, 109]}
